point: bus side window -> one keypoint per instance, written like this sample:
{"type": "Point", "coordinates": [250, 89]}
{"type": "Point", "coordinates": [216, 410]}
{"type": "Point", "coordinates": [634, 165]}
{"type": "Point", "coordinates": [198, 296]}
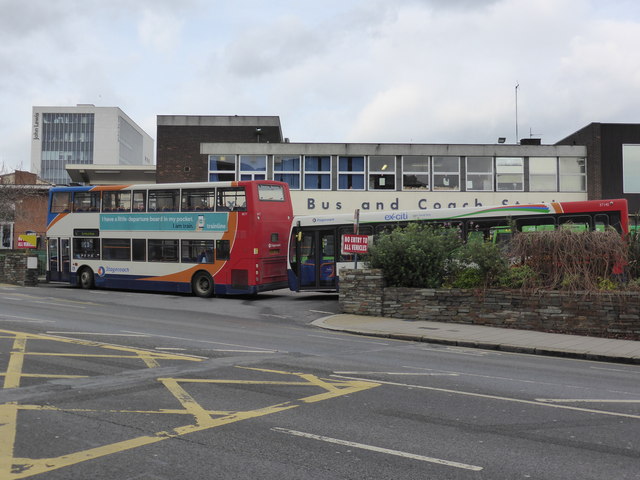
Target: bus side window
{"type": "Point", "coordinates": [86, 202]}
{"type": "Point", "coordinates": [231, 199]}
{"type": "Point", "coordinates": [60, 202]}
{"type": "Point", "coordinates": [223, 249]}
{"type": "Point", "coordinates": [139, 201]}
{"type": "Point", "coordinates": [139, 250]}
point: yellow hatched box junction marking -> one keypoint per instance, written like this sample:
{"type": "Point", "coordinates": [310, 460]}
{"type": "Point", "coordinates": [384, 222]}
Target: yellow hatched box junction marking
{"type": "Point", "coordinates": [12, 467]}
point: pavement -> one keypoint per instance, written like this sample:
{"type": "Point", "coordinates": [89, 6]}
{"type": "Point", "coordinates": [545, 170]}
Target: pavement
{"type": "Point", "coordinates": [493, 338]}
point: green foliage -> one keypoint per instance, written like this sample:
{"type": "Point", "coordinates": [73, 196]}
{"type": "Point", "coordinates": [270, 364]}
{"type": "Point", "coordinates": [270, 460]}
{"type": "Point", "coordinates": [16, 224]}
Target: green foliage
{"type": "Point", "coordinates": [469, 277]}
{"type": "Point", "coordinates": [426, 256]}
{"type": "Point", "coordinates": [607, 284]}
{"type": "Point", "coordinates": [487, 258]}
{"type": "Point", "coordinates": [415, 256]}
{"type": "Point", "coordinates": [634, 254]}
{"type": "Point", "coordinates": [517, 276]}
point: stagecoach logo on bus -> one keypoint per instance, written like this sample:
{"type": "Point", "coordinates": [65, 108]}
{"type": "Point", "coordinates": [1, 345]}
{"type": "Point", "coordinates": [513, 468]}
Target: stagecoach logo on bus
{"type": "Point", "coordinates": [102, 271]}
{"type": "Point", "coordinates": [186, 222]}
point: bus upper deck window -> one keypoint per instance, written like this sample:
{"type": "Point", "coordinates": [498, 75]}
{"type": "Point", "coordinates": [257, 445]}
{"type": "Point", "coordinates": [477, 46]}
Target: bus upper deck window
{"type": "Point", "coordinates": [231, 199]}
{"type": "Point", "coordinates": [119, 201]}
{"type": "Point", "coordinates": [86, 202]}
{"type": "Point", "coordinates": [60, 202]}
{"type": "Point", "coordinates": [163, 200]}
{"type": "Point", "coordinates": [139, 201]}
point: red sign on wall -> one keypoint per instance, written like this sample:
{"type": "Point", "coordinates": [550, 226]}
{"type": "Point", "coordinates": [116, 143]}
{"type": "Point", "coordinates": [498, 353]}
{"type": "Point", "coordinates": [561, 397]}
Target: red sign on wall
{"type": "Point", "coordinates": [355, 244]}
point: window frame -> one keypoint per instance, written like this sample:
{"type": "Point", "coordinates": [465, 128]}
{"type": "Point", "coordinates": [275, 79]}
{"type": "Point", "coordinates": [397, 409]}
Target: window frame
{"type": "Point", "coordinates": [564, 176]}
{"type": "Point", "coordinates": [445, 173]}
{"type": "Point", "coordinates": [349, 174]}
{"type": "Point", "coordinates": [419, 174]}
{"type": "Point", "coordinates": [280, 174]}
{"type": "Point", "coordinates": [222, 174]}
{"type": "Point", "coordinates": [320, 174]}
{"type": "Point", "coordinates": [375, 175]}
{"type": "Point", "coordinates": [533, 176]}
{"type": "Point", "coordinates": [245, 174]}
{"type": "Point", "coordinates": [509, 173]}
{"type": "Point", "coordinates": [479, 173]}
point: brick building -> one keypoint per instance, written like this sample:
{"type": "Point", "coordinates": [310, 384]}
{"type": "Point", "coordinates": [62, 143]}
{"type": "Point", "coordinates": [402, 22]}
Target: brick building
{"type": "Point", "coordinates": [23, 208]}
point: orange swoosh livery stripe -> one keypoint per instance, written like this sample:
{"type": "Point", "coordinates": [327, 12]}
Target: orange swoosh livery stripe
{"type": "Point", "coordinates": [213, 268]}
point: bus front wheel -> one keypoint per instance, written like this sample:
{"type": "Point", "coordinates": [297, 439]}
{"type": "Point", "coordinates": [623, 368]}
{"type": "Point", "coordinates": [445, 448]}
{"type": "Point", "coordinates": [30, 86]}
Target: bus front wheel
{"type": "Point", "coordinates": [202, 284]}
{"type": "Point", "coordinates": [85, 278]}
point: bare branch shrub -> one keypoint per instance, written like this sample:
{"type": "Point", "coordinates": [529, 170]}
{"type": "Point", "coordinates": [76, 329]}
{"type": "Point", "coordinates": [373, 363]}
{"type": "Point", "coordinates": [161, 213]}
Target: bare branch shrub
{"type": "Point", "coordinates": [567, 260]}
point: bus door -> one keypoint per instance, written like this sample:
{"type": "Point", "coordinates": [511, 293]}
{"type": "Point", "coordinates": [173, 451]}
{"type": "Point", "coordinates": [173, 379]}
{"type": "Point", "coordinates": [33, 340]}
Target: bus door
{"type": "Point", "coordinates": [317, 255]}
{"type": "Point", "coordinates": [58, 258]}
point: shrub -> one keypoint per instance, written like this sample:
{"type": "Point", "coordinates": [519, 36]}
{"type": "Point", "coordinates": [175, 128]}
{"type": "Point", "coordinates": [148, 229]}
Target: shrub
{"type": "Point", "coordinates": [569, 260]}
{"type": "Point", "coordinates": [419, 256]}
{"type": "Point", "coordinates": [487, 258]}
{"type": "Point", "coordinates": [518, 276]}
{"type": "Point", "coordinates": [469, 277]}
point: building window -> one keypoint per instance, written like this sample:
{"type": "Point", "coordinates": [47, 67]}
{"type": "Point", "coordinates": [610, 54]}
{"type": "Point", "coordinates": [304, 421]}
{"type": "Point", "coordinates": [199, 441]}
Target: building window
{"type": "Point", "coordinates": [351, 173]}
{"type": "Point", "coordinates": [479, 174]}
{"type": "Point", "coordinates": [6, 235]}
{"type": "Point", "coordinates": [286, 168]}
{"type": "Point", "coordinates": [631, 168]}
{"type": "Point", "coordinates": [317, 173]}
{"type": "Point", "coordinates": [382, 172]}
{"type": "Point", "coordinates": [543, 174]}
{"type": "Point", "coordinates": [573, 174]}
{"type": "Point", "coordinates": [415, 172]}
{"type": "Point", "coordinates": [510, 174]}
{"type": "Point", "coordinates": [222, 168]}
{"type": "Point", "coordinates": [66, 138]}
{"type": "Point", "coordinates": [253, 167]}
{"type": "Point", "coordinates": [446, 173]}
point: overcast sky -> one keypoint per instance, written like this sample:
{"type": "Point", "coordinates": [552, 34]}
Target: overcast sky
{"type": "Point", "coordinates": [421, 71]}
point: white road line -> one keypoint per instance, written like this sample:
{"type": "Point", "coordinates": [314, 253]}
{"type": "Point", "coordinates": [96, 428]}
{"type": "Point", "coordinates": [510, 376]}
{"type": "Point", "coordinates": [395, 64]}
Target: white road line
{"type": "Point", "coordinates": [378, 449]}
{"type": "Point", "coordinates": [459, 351]}
{"type": "Point", "coordinates": [321, 311]}
{"type": "Point", "coordinates": [425, 374]}
{"type": "Point", "coordinates": [8, 318]}
{"type": "Point", "coordinates": [616, 370]}
{"type": "Point", "coordinates": [583, 400]}
{"type": "Point", "coordinates": [250, 348]}
{"type": "Point", "coordinates": [346, 338]}
{"type": "Point", "coordinates": [98, 334]}
{"type": "Point", "coordinates": [497, 397]}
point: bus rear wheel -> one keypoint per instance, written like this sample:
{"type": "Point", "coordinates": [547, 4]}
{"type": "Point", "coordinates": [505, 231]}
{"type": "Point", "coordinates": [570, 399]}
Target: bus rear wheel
{"type": "Point", "coordinates": [202, 284]}
{"type": "Point", "coordinates": [85, 278]}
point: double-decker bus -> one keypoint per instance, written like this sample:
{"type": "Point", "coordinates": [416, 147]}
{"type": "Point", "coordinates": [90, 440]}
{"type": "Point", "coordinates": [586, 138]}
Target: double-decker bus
{"type": "Point", "coordinates": [202, 238]}
{"type": "Point", "coordinates": [315, 256]}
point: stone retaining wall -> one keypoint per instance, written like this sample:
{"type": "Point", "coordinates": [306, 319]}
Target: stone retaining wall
{"type": "Point", "coordinates": [13, 269]}
{"type": "Point", "coordinates": [601, 314]}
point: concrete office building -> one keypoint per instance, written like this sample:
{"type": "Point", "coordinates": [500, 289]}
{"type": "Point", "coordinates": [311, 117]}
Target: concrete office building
{"type": "Point", "coordinates": [598, 161]}
{"type": "Point", "coordinates": [85, 134]}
